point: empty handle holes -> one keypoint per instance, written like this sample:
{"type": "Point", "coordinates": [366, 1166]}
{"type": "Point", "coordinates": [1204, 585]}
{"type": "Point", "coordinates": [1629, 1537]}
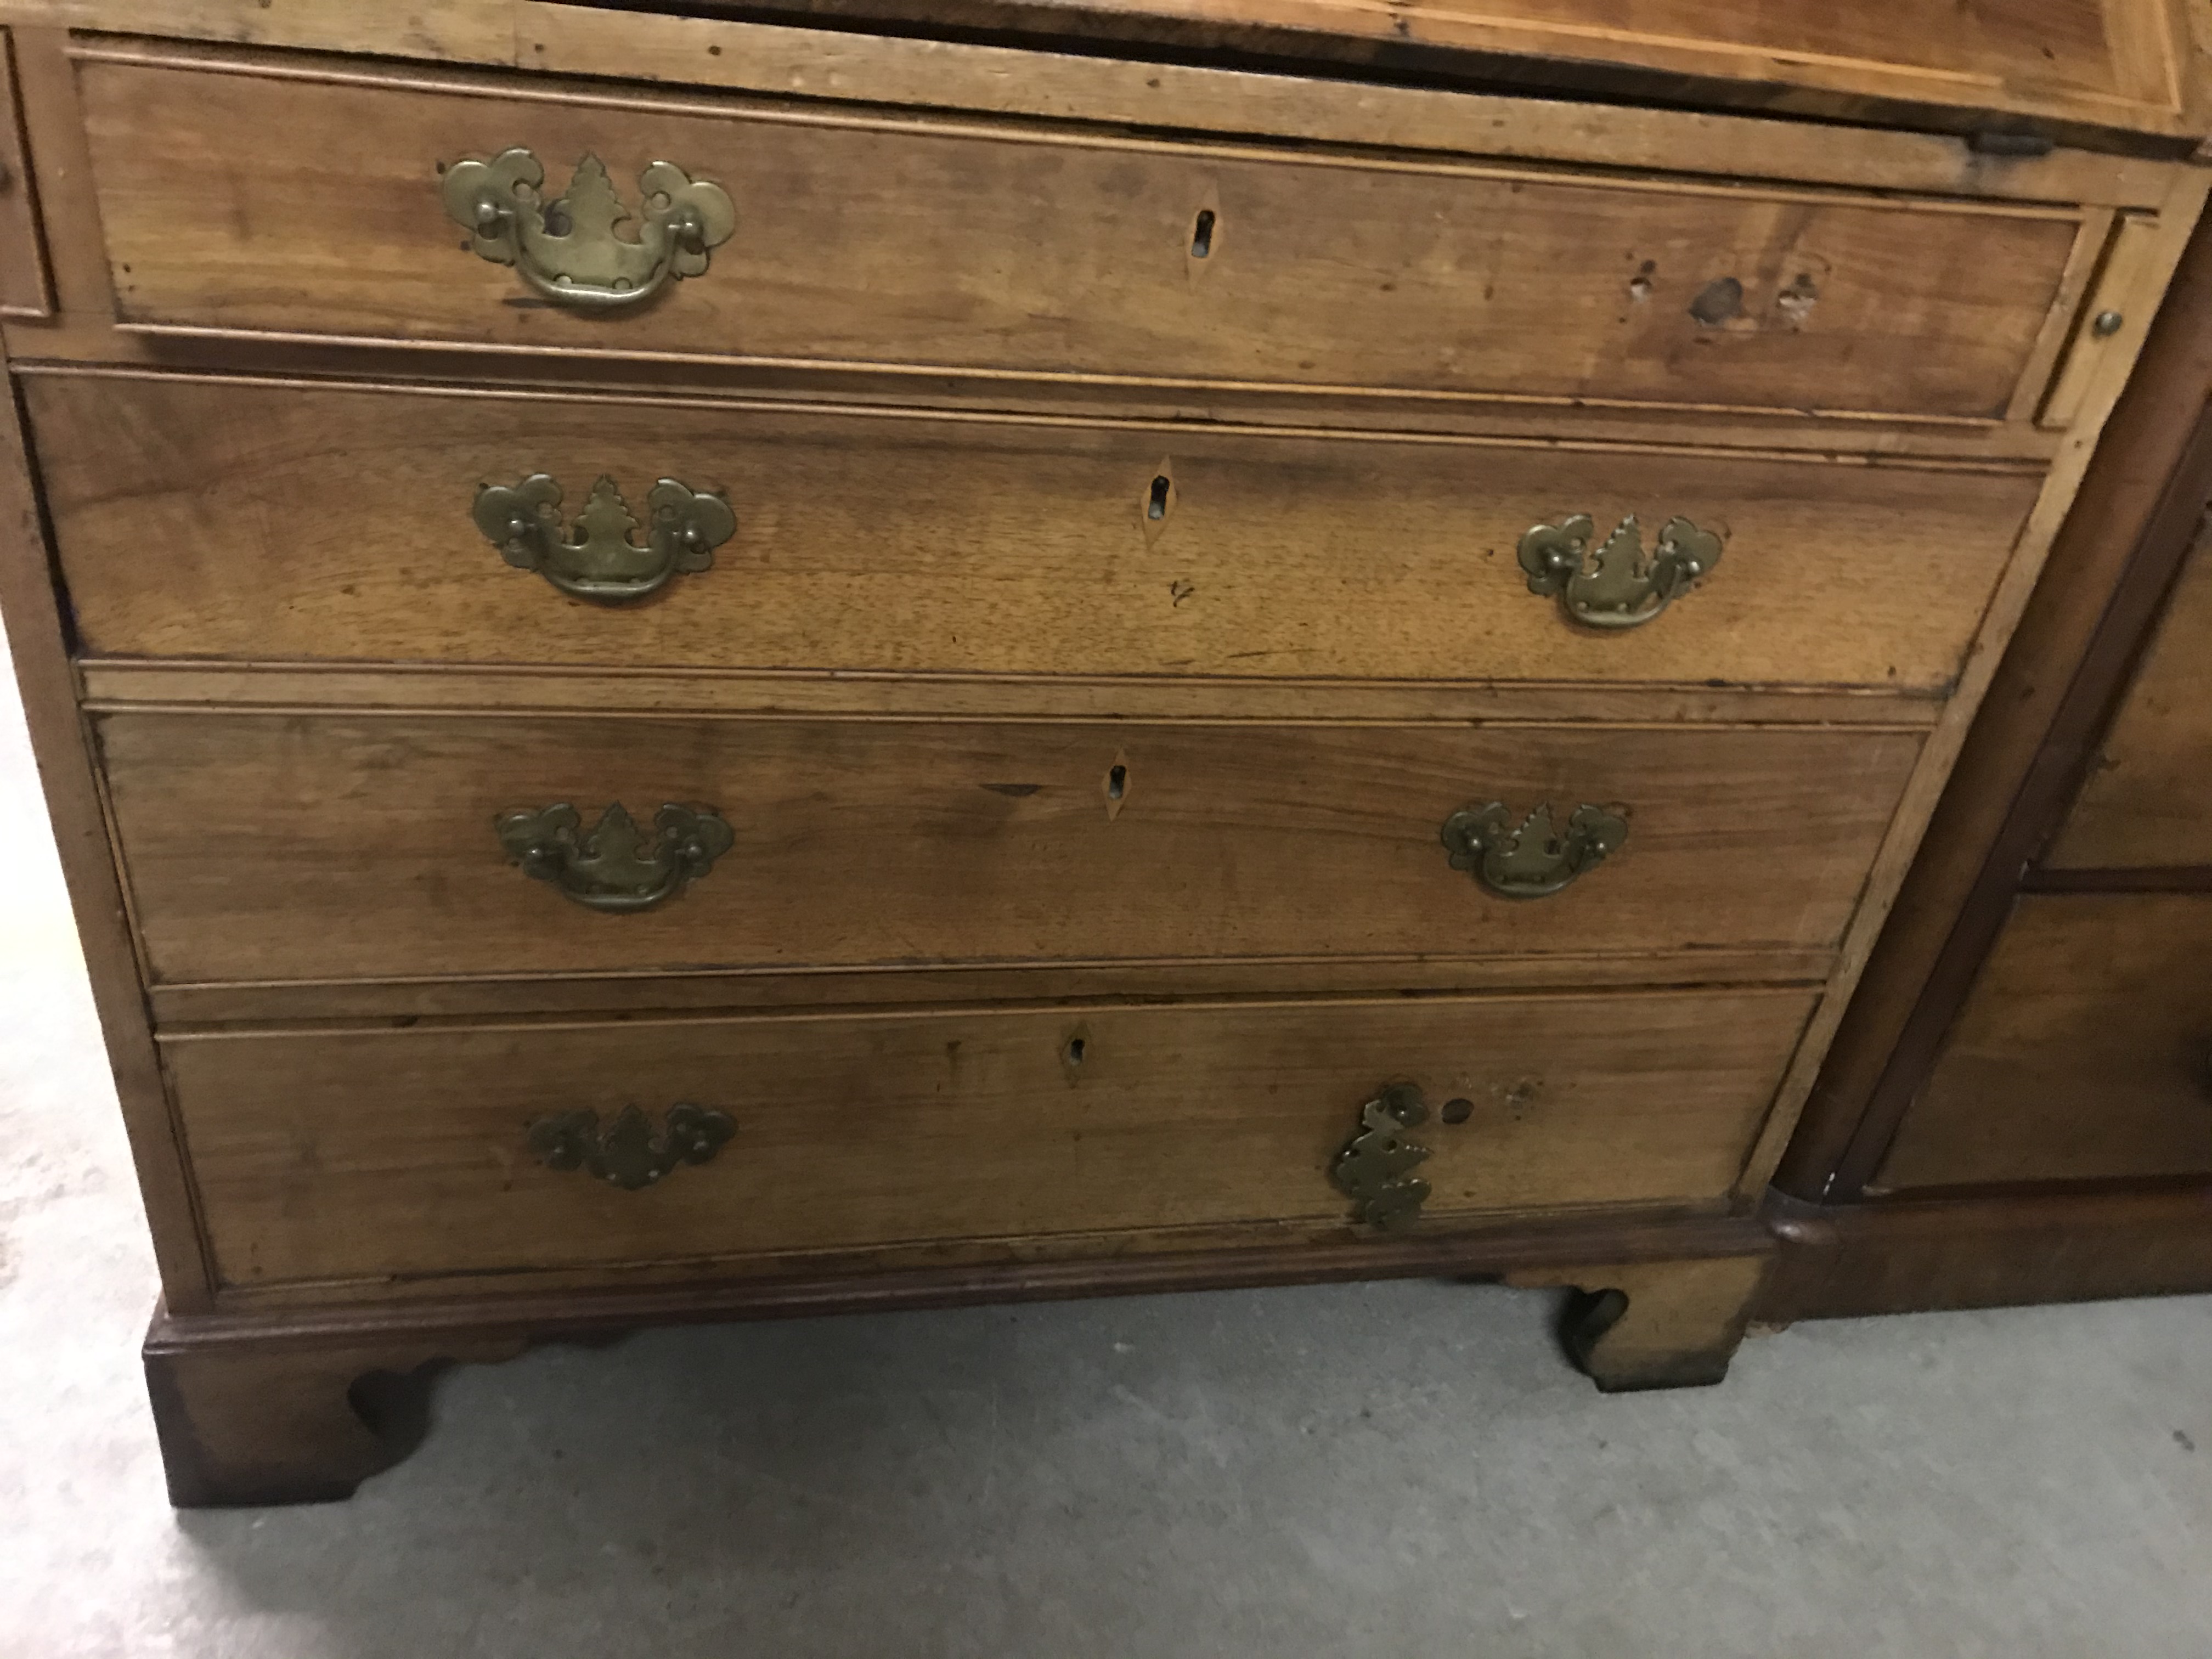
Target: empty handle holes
{"type": "Point", "coordinates": [1201, 236]}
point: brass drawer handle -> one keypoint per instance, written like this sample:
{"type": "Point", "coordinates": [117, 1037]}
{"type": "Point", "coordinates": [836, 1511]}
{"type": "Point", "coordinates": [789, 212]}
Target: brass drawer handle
{"type": "Point", "coordinates": [1374, 1169]}
{"type": "Point", "coordinates": [567, 249]}
{"type": "Point", "coordinates": [626, 1153]}
{"type": "Point", "coordinates": [1535, 858]}
{"type": "Point", "coordinates": [601, 563]}
{"type": "Point", "coordinates": [607, 867]}
{"type": "Point", "coordinates": [1619, 587]}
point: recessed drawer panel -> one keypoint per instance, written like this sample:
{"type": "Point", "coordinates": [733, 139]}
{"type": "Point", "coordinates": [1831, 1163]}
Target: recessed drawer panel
{"type": "Point", "coordinates": [808, 234]}
{"type": "Point", "coordinates": [274, 846]}
{"type": "Point", "coordinates": [1024, 1133]}
{"type": "Point", "coordinates": [235, 521]}
{"type": "Point", "coordinates": [2146, 802]}
{"type": "Point", "coordinates": [2084, 1051]}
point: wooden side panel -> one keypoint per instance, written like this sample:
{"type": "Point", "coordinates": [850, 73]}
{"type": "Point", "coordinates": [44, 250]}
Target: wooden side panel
{"type": "Point", "coordinates": [2146, 802]}
{"type": "Point", "coordinates": [2083, 1052]}
{"type": "Point", "coordinates": [211, 519]}
{"type": "Point", "coordinates": [367, 1154]}
{"type": "Point", "coordinates": [272, 848]}
{"type": "Point", "coordinates": [1030, 252]}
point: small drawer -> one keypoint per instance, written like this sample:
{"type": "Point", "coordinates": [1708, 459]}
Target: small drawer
{"type": "Point", "coordinates": [812, 234]}
{"type": "Point", "coordinates": [233, 520]}
{"type": "Point", "coordinates": [281, 847]}
{"type": "Point", "coordinates": [1017, 1133]}
{"type": "Point", "coordinates": [2084, 1051]}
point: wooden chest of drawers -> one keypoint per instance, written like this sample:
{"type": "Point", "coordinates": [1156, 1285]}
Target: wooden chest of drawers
{"type": "Point", "coordinates": [694, 669]}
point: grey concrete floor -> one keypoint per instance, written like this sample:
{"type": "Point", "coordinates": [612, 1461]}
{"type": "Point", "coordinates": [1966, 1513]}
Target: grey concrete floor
{"type": "Point", "coordinates": [1384, 1470]}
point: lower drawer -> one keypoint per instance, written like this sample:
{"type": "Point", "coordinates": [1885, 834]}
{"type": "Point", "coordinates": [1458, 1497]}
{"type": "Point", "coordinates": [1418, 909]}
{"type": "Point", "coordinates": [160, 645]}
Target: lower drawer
{"type": "Point", "coordinates": [370, 1155]}
{"type": "Point", "coordinates": [2084, 1051]}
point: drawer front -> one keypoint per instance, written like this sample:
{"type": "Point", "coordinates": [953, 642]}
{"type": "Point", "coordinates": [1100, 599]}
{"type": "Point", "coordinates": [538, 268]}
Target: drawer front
{"type": "Point", "coordinates": [292, 847]}
{"type": "Point", "coordinates": [2146, 803]}
{"type": "Point", "coordinates": [2083, 1052]}
{"type": "Point", "coordinates": [358, 1155]}
{"type": "Point", "coordinates": [210, 518]}
{"type": "Point", "coordinates": [870, 238]}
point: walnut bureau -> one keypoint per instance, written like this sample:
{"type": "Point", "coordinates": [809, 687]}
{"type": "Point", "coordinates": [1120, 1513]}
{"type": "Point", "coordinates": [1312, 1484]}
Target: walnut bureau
{"type": "Point", "coordinates": [690, 669]}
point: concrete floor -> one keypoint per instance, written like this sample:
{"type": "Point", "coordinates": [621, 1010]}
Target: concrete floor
{"type": "Point", "coordinates": [1366, 1471]}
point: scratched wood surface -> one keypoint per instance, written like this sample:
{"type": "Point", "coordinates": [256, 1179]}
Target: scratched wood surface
{"type": "Point", "coordinates": [205, 518]}
{"type": "Point", "coordinates": [871, 239]}
{"type": "Point", "coordinates": [336, 1155]}
{"type": "Point", "coordinates": [296, 846]}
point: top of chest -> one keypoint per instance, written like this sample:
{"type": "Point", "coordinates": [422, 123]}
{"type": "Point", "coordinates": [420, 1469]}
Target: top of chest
{"type": "Point", "coordinates": [2067, 69]}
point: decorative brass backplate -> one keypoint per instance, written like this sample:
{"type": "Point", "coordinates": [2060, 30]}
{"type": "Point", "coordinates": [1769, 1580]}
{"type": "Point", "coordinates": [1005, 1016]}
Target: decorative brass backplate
{"type": "Point", "coordinates": [626, 1153]}
{"type": "Point", "coordinates": [601, 563]}
{"type": "Point", "coordinates": [607, 867]}
{"type": "Point", "coordinates": [567, 249]}
{"type": "Point", "coordinates": [1374, 1168]}
{"type": "Point", "coordinates": [1619, 587]}
{"type": "Point", "coordinates": [1536, 858]}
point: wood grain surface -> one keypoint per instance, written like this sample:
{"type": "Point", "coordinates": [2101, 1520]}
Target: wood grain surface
{"type": "Point", "coordinates": [275, 848]}
{"type": "Point", "coordinates": [2147, 801]}
{"type": "Point", "coordinates": [1002, 250]}
{"type": "Point", "coordinates": [2127, 64]}
{"type": "Point", "coordinates": [204, 518]}
{"type": "Point", "coordinates": [343, 1156]}
{"type": "Point", "coordinates": [2083, 1052]}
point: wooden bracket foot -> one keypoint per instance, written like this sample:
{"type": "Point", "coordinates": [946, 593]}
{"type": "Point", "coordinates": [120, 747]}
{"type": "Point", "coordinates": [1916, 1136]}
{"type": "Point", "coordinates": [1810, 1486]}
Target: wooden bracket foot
{"type": "Point", "coordinates": [1656, 1324]}
{"type": "Point", "coordinates": [256, 1418]}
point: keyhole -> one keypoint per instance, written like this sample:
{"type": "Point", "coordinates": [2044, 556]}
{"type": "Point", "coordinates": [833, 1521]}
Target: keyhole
{"type": "Point", "coordinates": [1075, 1051]}
{"type": "Point", "coordinates": [1157, 507]}
{"type": "Point", "coordinates": [1116, 788]}
{"type": "Point", "coordinates": [1201, 234]}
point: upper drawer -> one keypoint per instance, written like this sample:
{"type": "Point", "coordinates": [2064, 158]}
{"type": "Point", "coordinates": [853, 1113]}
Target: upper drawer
{"type": "Point", "coordinates": [867, 238]}
{"type": "Point", "coordinates": [274, 846]}
{"type": "Point", "coordinates": [235, 521]}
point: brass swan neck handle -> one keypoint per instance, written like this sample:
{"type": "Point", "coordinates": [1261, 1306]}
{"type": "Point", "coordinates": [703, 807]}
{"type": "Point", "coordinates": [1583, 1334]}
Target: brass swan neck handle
{"type": "Point", "coordinates": [597, 558]}
{"type": "Point", "coordinates": [1536, 857]}
{"type": "Point", "coordinates": [1618, 587]}
{"type": "Point", "coordinates": [567, 249]}
{"type": "Point", "coordinates": [608, 866]}
{"type": "Point", "coordinates": [627, 1152]}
